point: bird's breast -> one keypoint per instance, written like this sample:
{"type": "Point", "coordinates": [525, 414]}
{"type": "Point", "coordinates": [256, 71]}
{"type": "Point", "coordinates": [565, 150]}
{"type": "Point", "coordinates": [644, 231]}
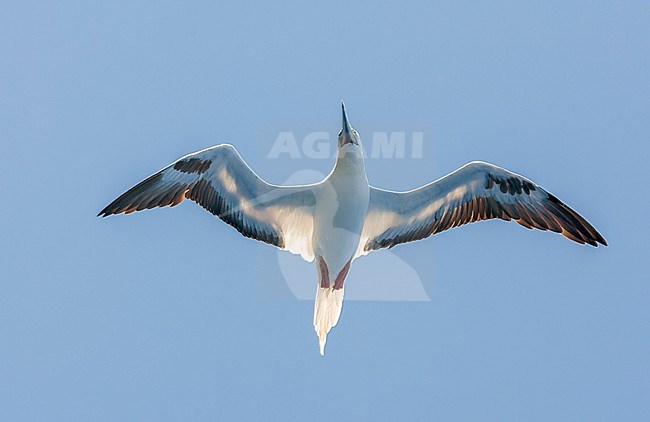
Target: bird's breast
{"type": "Point", "coordinates": [338, 220]}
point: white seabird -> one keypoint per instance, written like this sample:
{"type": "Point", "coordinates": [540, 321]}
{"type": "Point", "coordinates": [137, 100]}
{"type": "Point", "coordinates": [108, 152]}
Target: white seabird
{"type": "Point", "coordinates": [335, 221]}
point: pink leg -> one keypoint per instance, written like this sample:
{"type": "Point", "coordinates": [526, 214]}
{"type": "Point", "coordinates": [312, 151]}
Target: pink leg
{"type": "Point", "coordinates": [338, 283]}
{"type": "Point", "coordinates": [324, 274]}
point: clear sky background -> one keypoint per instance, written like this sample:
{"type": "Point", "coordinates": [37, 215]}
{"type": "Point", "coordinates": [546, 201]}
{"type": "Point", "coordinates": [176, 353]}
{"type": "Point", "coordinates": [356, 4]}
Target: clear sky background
{"type": "Point", "coordinates": [171, 315]}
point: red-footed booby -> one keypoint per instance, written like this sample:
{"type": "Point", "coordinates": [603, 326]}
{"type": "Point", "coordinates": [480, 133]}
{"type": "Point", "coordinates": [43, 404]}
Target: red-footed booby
{"type": "Point", "coordinates": [341, 218]}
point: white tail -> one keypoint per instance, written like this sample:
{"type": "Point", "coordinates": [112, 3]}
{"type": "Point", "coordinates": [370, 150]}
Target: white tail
{"type": "Point", "coordinates": [327, 310]}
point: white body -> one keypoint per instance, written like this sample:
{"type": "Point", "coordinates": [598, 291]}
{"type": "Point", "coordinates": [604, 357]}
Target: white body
{"type": "Point", "coordinates": [339, 215]}
{"type": "Point", "coordinates": [340, 211]}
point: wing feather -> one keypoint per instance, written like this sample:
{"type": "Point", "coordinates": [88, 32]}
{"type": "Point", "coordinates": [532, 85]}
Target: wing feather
{"type": "Point", "coordinates": [221, 182]}
{"type": "Point", "coordinates": [477, 191]}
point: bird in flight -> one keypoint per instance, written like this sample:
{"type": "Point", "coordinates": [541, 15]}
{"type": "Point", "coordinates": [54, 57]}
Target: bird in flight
{"type": "Point", "coordinates": [341, 218]}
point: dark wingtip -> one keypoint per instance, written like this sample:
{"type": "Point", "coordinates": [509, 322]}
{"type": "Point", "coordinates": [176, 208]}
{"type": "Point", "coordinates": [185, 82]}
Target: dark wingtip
{"type": "Point", "coordinates": [602, 241]}
{"type": "Point", "coordinates": [588, 232]}
{"type": "Point", "coordinates": [104, 213]}
{"type": "Point", "coordinates": [596, 241]}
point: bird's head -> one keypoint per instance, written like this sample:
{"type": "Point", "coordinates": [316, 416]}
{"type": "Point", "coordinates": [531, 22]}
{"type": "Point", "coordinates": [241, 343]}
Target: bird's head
{"type": "Point", "coordinates": [349, 140]}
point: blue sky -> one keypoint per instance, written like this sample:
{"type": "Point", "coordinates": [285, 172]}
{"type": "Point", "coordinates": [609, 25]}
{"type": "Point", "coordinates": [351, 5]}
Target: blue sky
{"type": "Point", "coordinates": [170, 315]}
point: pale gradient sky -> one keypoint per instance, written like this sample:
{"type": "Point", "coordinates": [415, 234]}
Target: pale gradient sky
{"type": "Point", "coordinates": [171, 315]}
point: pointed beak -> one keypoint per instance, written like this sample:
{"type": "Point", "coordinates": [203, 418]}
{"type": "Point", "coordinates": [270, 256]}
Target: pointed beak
{"type": "Point", "coordinates": [346, 132]}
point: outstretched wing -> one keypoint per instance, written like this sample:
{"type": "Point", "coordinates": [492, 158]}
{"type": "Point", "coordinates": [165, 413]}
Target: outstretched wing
{"type": "Point", "coordinates": [220, 181]}
{"type": "Point", "coordinates": [475, 192]}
